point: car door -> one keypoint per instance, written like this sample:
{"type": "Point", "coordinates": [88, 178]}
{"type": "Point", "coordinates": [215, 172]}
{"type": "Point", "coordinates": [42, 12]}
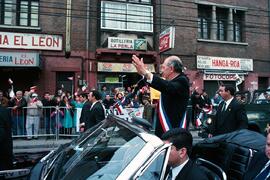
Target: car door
{"type": "Point", "coordinates": [154, 168]}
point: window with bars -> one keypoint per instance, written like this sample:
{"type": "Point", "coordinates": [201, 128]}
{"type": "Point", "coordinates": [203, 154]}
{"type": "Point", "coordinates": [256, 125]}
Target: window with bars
{"type": "Point", "coordinates": [126, 16]}
{"type": "Point", "coordinates": [204, 22]}
{"type": "Point", "coordinates": [19, 13]}
{"type": "Point", "coordinates": [220, 30]}
{"type": "Point", "coordinates": [238, 26]}
{"type": "Point", "coordinates": [221, 24]}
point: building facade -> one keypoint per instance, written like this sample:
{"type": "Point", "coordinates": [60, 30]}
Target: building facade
{"type": "Point", "coordinates": [65, 45]}
{"type": "Point", "coordinates": [74, 43]}
{"type": "Point", "coordinates": [221, 42]}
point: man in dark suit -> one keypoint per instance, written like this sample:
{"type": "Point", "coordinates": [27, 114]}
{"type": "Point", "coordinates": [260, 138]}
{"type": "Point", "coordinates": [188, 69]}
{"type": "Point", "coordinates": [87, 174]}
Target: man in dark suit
{"type": "Point", "coordinates": [180, 166]}
{"type": "Point", "coordinates": [96, 112]}
{"type": "Point", "coordinates": [6, 153]}
{"type": "Point", "coordinates": [85, 110]}
{"type": "Point", "coordinates": [260, 164]}
{"type": "Point", "coordinates": [174, 88]}
{"type": "Point", "coordinates": [231, 115]}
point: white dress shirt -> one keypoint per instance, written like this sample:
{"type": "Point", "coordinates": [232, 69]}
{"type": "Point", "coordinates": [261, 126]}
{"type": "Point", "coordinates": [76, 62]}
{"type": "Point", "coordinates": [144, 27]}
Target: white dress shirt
{"type": "Point", "coordinates": [177, 169]}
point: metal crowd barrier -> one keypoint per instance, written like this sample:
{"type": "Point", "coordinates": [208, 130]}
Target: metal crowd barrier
{"type": "Point", "coordinates": [53, 122]}
{"type": "Point", "coordinates": [48, 121]}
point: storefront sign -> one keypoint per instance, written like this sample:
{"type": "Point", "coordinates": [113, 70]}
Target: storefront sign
{"type": "Point", "coordinates": [111, 79]}
{"type": "Point", "coordinates": [30, 41]}
{"type": "Point", "coordinates": [210, 62]}
{"type": "Point", "coordinates": [126, 43]}
{"type": "Point", "coordinates": [166, 39]}
{"type": "Point", "coordinates": [121, 67]}
{"type": "Point", "coordinates": [14, 59]}
{"type": "Point", "coordinates": [221, 77]}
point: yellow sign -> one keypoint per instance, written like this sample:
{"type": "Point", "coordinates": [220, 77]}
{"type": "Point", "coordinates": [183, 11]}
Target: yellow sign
{"type": "Point", "coordinates": [121, 67]}
{"type": "Point", "coordinates": [154, 94]}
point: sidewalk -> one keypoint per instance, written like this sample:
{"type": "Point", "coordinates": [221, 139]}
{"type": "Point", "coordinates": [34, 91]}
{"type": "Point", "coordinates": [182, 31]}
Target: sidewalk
{"type": "Point", "coordinates": [37, 145]}
{"type": "Point", "coordinates": [42, 144]}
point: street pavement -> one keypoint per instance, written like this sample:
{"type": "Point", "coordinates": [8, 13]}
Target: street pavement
{"type": "Point", "coordinates": [21, 145]}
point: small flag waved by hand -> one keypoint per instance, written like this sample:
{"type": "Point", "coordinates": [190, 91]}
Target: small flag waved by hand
{"type": "Point", "coordinates": [10, 81]}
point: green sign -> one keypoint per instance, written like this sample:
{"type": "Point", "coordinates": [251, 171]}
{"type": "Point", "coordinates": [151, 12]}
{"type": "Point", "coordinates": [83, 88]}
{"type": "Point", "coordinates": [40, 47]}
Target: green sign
{"type": "Point", "coordinates": [111, 79]}
{"type": "Point", "coordinates": [140, 44]}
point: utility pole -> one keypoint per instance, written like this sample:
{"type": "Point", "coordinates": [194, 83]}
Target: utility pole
{"type": "Point", "coordinates": [68, 29]}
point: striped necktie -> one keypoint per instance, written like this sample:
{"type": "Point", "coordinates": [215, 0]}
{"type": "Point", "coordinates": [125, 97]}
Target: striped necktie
{"type": "Point", "coordinates": [263, 174]}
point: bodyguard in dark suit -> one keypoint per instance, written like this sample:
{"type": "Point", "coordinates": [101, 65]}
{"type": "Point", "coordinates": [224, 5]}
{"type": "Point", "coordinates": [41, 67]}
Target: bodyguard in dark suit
{"type": "Point", "coordinates": [85, 109]}
{"type": "Point", "coordinates": [181, 167]}
{"type": "Point", "coordinates": [259, 163]}
{"type": "Point", "coordinates": [174, 88]}
{"type": "Point", "coordinates": [6, 154]}
{"type": "Point", "coordinates": [96, 112]}
{"type": "Point", "coordinates": [230, 116]}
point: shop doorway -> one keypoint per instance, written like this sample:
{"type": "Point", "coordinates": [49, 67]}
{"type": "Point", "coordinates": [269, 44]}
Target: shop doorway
{"type": "Point", "coordinates": [211, 87]}
{"type": "Point", "coordinates": [263, 82]}
{"type": "Point", "coordinates": [23, 79]}
{"type": "Point", "coordinates": [65, 81]}
{"type": "Point", "coordinates": [116, 80]}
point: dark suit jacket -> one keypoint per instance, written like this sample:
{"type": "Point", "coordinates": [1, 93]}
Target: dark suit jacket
{"type": "Point", "coordinates": [191, 171]}
{"type": "Point", "coordinates": [95, 115]}
{"type": "Point", "coordinates": [232, 119]}
{"type": "Point", "coordinates": [175, 95]}
{"type": "Point", "coordinates": [85, 111]}
{"type": "Point", "coordinates": [256, 165]}
{"type": "Point", "coordinates": [6, 154]}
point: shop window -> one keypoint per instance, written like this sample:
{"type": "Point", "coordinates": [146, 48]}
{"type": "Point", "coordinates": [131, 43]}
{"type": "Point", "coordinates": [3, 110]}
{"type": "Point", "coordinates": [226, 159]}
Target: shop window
{"type": "Point", "coordinates": [204, 22]}
{"type": "Point", "coordinates": [65, 81]}
{"type": "Point", "coordinates": [19, 12]}
{"type": "Point", "coordinates": [263, 82]}
{"type": "Point", "coordinates": [126, 16]}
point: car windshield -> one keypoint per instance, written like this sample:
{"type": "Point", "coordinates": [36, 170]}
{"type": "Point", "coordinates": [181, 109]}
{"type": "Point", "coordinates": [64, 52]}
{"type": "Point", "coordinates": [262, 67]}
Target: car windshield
{"type": "Point", "coordinates": [102, 155]}
{"type": "Point", "coordinates": [256, 115]}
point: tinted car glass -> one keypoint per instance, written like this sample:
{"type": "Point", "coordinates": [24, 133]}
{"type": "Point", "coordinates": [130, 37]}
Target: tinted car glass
{"type": "Point", "coordinates": [154, 170]}
{"type": "Point", "coordinates": [102, 155]}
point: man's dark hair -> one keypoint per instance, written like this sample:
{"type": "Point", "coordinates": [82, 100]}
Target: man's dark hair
{"type": "Point", "coordinates": [180, 138]}
{"type": "Point", "coordinates": [84, 95]}
{"type": "Point", "coordinates": [230, 88]}
{"type": "Point", "coordinates": [177, 65]}
{"type": "Point", "coordinates": [96, 94]}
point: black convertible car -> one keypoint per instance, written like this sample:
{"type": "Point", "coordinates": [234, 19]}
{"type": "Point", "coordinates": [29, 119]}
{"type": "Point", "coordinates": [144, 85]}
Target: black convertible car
{"type": "Point", "coordinates": [119, 149]}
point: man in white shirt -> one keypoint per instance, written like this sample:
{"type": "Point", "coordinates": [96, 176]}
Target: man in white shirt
{"type": "Point", "coordinates": [180, 165]}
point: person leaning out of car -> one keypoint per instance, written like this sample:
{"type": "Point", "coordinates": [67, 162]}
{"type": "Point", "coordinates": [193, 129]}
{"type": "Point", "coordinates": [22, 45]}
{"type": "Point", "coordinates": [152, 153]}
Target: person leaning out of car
{"type": "Point", "coordinates": [259, 167]}
{"type": "Point", "coordinates": [180, 166]}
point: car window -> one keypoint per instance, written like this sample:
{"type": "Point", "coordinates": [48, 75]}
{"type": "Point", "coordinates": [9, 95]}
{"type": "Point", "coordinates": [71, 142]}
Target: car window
{"type": "Point", "coordinates": [103, 155]}
{"type": "Point", "coordinates": [154, 169]}
{"type": "Point", "coordinates": [256, 115]}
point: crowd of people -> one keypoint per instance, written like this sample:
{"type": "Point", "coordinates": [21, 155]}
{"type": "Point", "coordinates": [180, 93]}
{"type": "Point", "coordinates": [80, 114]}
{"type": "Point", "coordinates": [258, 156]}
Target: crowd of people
{"type": "Point", "coordinates": [63, 111]}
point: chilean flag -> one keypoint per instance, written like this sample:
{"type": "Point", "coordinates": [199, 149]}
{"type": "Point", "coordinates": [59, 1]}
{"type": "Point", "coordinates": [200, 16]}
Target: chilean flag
{"type": "Point", "coordinates": [119, 108]}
